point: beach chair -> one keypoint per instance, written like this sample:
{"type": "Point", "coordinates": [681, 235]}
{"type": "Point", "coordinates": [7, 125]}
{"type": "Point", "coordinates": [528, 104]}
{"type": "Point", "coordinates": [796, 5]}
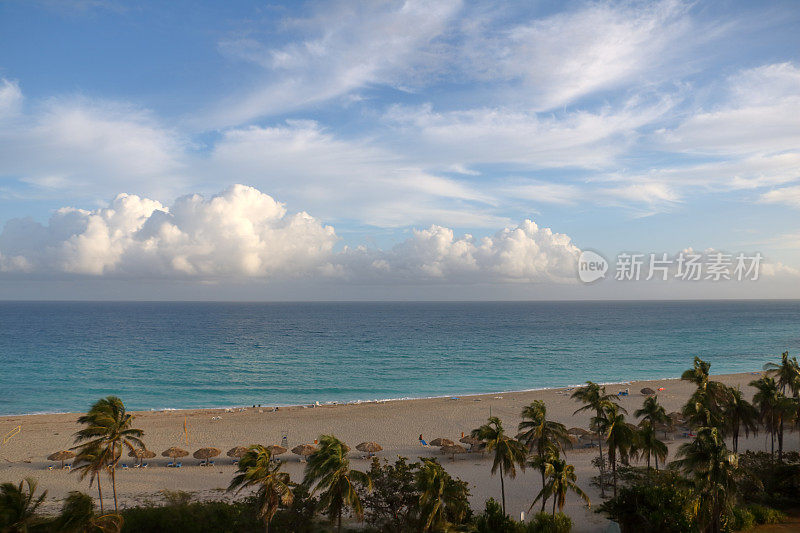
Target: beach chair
{"type": "Point", "coordinates": [68, 467]}
{"type": "Point", "coordinates": [209, 463]}
{"type": "Point", "coordinates": [51, 467]}
{"type": "Point", "coordinates": [171, 464]}
{"type": "Point", "coordinates": [424, 444]}
{"type": "Point", "coordinates": [144, 465]}
{"type": "Point", "coordinates": [178, 465]}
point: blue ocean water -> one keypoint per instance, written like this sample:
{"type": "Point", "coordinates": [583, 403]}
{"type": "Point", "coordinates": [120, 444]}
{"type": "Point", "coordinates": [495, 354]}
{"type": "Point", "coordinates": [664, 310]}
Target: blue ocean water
{"type": "Point", "coordinates": [61, 356]}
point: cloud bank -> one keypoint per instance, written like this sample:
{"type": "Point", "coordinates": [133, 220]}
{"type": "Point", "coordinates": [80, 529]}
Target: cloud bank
{"type": "Point", "coordinates": [244, 233]}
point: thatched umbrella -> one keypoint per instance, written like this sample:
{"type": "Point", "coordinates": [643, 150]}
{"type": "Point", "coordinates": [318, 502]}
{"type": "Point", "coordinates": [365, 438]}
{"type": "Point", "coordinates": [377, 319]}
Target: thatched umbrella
{"type": "Point", "coordinates": [580, 432]}
{"type": "Point", "coordinates": [472, 441]}
{"type": "Point", "coordinates": [62, 456]}
{"type": "Point", "coordinates": [304, 450]}
{"type": "Point", "coordinates": [647, 391]}
{"type": "Point", "coordinates": [276, 450]}
{"type": "Point", "coordinates": [204, 454]}
{"type": "Point", "coordinates": [442, 442]}
{"type": "Point", "coordinates": [237, 452]}
{"type": "Point", "coordinates": [453, 449]}
{"type": "Point", "coordinates": [141, 454]}
{"type": "Point", "coordinates": [369, 447]}
{"type": "Point", "coordinates": [174, 453]}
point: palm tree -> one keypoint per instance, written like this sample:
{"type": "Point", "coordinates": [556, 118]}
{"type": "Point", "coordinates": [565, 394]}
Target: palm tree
{"type": "Point", "coordinates": [652, 412]}
{"type": "Point", "coordinates": [440, 497]}
{"type": "Point", "coordinates": [739, 413]}
{"type": "Point", "coordinates": [18, 505]}
{"type": "Point", "coordinates": [698, 374]}
{"type": "Point", "coordinates": [109, 430]}
{"type": "Point", "coordinates": [508, 453]}
{"type": "Point", "coordinates": [703, 408]}
{"type": "Point", "coordinates": [256, 469]}
{"type": "Point", "coordinates": [595, 399]}
{"type": "Point", "coordinates": [560, 479]}
{"type": "Point", "coordinates": [543, 437]}
{"type": "Point", "coordinates": [77, 516]}
{"type": "Point", "coordinates": [647, 444]}
{"type": "Point", "coordinates": [91, 461]}
{"type": "Point", "coordinates": [787, 373]}
{"type": "Point", "coordinates": [714, 471]}
{"type": "Point", "coordinates": [328, 469]}
{"type": "Point", "coordinates": [766, 400]}
{"type": "Point", "coordinates": [620, 437]}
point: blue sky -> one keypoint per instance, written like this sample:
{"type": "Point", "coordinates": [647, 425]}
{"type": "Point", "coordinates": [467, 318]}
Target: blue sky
{"type": "Point", "coordinates": [386, 132]}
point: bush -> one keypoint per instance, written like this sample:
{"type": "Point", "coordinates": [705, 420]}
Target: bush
{"type": "Point", "coordinates": [743, 519]}
{"type": "Point", "coordinates": [766, 515]}
{"type": "Point", "coordinates": [198, 517]}
{"type": "Point", "coordinates": [492, 520]}
{"type": "Point", "coordinates": [769, 481]}
{"type": "Point", "coordinates": [547, 523]}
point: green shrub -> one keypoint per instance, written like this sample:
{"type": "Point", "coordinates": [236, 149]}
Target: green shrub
{"type": "Point", "coordinates": [492, 520]}
{"type": "Point", "coordinates": [766, 515]}
{"type": "Point", "coordinates": [198, 517]}
{"type": "Point", "coordinates": [743, 519]}
{"type": "Point", "coordinates": [547, 523]}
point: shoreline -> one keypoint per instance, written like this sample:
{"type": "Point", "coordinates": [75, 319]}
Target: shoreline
{"type": "Point", "coordinates": [374, 401]}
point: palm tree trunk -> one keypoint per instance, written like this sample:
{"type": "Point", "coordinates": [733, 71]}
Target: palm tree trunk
{"type": "Point", "coordinates": [648, 460]}
{"type": "Point", "coordinates": [114, 485]}
{"type": "Point", "coordinates": [614, 474]}
{"type": "Point", "coordinates": [544, 497]}
{"type": "Point", "coordinates": [502, 489]}
{"type": "Point", "coordinates": [656, 457]}
{"type": "Point", "coordinates": [100, 494]}
{"type": "Point", "coordinates": [780, 441]}
{"type": "Point", "coordinates": [554, 505]}
{"type": "Point", "coordinates": [600, 447]}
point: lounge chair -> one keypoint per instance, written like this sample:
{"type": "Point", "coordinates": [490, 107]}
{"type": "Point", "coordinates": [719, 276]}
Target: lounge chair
{"type": "Point", "coordinates": [178, 465]}
{"type": "Point", "coordinates": [144, 465]}
{"type": "Point", "coordinates": [124, 466]}
{"type": "Point", "coordinates": [51, 467]}
{"type": "Point", "coordinates": [171, 464]}
{"type": "Point", "coordinates": [424, 444]}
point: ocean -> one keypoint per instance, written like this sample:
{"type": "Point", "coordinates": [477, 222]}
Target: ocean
{"type": "Point", "coordinates": [61, 356]}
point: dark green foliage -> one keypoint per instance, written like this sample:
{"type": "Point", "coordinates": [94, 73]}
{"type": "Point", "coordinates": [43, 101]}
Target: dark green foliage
{"type": "Point", "coordinates": [766, 515]}
{"type": "Point", "coordinates": [743, 519]}
{"type": "Point", "coordinates": [493, 520]}
{"type": "Point", "coordinates": [197, 517]}
{"type": "Point", "coordinates": [299, 516]}
{"type": "Point", "coordinates": [651, 501]}
{"type": "Point", "coordinates": [548, 523]}
{"type": "Point", "coordinates": [770, 482]}
{"type": "Point", "coordinates": [393, 504]}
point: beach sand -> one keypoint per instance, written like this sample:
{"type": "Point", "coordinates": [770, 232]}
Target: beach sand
{"type": "Point", "coordinates": [396, 425]}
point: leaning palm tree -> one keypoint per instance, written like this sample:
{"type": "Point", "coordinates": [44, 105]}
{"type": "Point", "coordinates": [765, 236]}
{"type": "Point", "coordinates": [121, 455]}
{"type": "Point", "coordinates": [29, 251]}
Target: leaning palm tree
{"type": "Point", "coordinates": [560, 479]}
{"type": "Point", "coordinates": [739, 414]}
{"type": "Point", "coordinates": [109, 429]}
{"type": "Point", "coordinates": [328, 470]}
{"type": "Point", "coordinates": [542, 437]}
{"type": "Point", "coordinates": [620, 437]}
{"type": "Point", "coordinates": [256, 469]}
{"type": "Point", "coordinates": [786, 373]}
{"type": "Point", "coordinates": [90, 462]}
{"type": "Point", "coordinates": [18, 505]}
{"type": "Point", "coordinates": [714, 470]}
{"type": "Point", "coordinates": [648, 445]}
{"type": "Point", "coordinates": [595, 399]}
{"type": "Point", "coordinates": [698, 374]}
{"type": "Point", "coordinates": [766, 399]}
{"type": "Point", "coordinates": [440, 497]}
{"type": "Point", "coordinates": [508, 453]}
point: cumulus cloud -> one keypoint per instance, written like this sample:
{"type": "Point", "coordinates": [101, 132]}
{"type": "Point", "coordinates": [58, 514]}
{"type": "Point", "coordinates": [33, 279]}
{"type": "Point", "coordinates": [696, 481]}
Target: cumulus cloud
{"type": "Point", "coordinates": [784, 195]}
{"type": "Point", "coordinates": [244, 233]}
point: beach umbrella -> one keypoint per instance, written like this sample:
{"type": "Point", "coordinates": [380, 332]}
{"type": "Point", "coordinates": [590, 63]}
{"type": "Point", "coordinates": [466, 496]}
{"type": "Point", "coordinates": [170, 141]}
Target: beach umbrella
{"type": "Point", "coordinates": [580, 432]}
{"type": "Point", "coordinates": [141, 454]}
{"type": "Point", "coordinates": [174, 453]}
{"type": "Point", "coordinates": [472, 441]}
{"type": "Point", "coordinates": [453, 449]}
{"type": "Point", "coordinates": [276, 450]}
{"type": "Point", "coordinates": [237, 452]}
{"type": "Point", "coordinates": [369, 447]}
{"type": "Point", "coordinates": [647, 391]}
{"type": "Point", "coordinates": [62, 456]}
{"type": "Point", "coordinates": [442, 442]}
{"type": "Point", "coordinates": [304, 450]}
{"type": "Point", "coordinates": [204, 454]}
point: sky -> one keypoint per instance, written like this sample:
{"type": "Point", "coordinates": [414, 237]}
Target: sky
{"type": "Point", "coordinates": [445, 150]}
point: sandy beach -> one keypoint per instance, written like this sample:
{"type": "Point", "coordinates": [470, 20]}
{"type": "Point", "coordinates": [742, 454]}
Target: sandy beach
{"type": "Point", "coordinates": [396, 425]}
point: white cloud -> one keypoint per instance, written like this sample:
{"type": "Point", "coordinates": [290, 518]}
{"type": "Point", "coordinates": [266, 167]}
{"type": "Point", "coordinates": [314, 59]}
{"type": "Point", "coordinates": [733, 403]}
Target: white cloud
{"type": "Point", "coordinates": [350, 46]}
{"type": "Point", "coordinates": [759, 115]}
{"type": "Point", "coordinates": [785, 195]}
{"type": "Point", "coordinates": [92, 146]}
{"type": "Point", "coordinates": [10, 99]}
{"type": "Point", "coordinates": [568, 55]}
{"type": "Point", "coordinates": [243, 233]}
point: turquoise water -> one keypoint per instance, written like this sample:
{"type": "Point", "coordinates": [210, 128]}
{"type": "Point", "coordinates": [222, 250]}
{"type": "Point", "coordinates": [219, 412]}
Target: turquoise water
{"type": "Point", "coordinates": [62, 356]}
